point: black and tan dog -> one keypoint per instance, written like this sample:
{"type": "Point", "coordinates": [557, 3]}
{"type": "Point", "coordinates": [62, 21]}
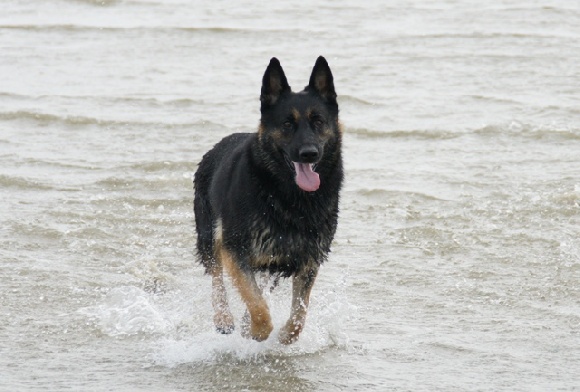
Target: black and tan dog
{"type": "Point", "coordinates": [268, 201]}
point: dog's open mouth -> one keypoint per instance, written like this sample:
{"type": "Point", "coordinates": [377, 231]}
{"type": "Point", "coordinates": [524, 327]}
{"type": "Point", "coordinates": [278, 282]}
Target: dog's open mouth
{"type": "Point", "coordinates": [306, 178]}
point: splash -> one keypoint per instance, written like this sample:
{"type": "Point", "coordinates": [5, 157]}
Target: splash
{"type": "Point", "coordinates": [178, 334]}
{"type": "Point", "coordinates": [127, 311]}
{"type": "Point", "coordinates": [324, 331]}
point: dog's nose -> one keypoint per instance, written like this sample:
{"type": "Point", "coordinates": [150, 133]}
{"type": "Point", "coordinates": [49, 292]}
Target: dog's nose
{"type": "Point", "coordinates": [308, 154]}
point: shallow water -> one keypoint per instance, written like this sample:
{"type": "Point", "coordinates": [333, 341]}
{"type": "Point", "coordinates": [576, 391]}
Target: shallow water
{"type": "Point", "coordinates": [456, 265]}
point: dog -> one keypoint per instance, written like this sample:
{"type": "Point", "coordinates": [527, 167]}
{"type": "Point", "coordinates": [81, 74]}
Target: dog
{"type": "Point", "coordinates": [268, 201]}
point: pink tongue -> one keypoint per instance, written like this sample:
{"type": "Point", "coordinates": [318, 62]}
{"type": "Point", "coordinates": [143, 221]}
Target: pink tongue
{"type": "Point", "coordinates": [307, 179]}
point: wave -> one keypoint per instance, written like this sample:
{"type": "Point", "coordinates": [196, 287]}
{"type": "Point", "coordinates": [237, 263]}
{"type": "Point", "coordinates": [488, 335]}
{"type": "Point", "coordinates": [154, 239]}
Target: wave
{"type": "Point", "coordinates": [37, 231]}
{"type": "Point", "coordinates": [52, 118]}
{"type": "Point", "coordinates": [384, 194]}
{"type": "Point", "coordinates": [493, 99]}
{"type": "Point", "coordinates": [114, 29]}
{"type": "Point", "coordinates": [177, 102]}
{"type": "Point", "coordinates": [513, 128]}
{"type": "Point", "coordinates": [21, 183]}
{"type": "Point", "coordinates": [351, 99]}
{"type": "Point", "coordinates": [82, 165]}
{"type": "Point", "coordinates": [184, 167]}
{"type": "Point", "coordinates": [46, 118]}
{"type": "Point", "coordinates": [491, 35]}
{"type": "Point", "coordinates": [100, 3]}
{"type": "Point", "coordinates": [533, 131]}
{"type": "Point", "coordinates": [404, 134]}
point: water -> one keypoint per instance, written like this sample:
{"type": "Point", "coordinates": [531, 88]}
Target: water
{"type": "Point", "coordinates": [456, 265]}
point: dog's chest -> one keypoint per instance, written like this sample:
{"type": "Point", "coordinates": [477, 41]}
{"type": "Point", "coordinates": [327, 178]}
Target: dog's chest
{"type": "Point", "coordinates": [277, 244]}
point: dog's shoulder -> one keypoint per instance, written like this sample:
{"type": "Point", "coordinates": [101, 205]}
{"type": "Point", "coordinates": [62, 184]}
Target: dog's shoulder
{"type": "Point", "coordinates": [225, 148]}
{"type": "Point", "coordinates": [228, 145]}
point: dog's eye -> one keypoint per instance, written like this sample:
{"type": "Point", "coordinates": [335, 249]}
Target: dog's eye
{"type": "Point", "coordinates": [317, 122]}
{"type": "Point", "coordinates": [288, 126]}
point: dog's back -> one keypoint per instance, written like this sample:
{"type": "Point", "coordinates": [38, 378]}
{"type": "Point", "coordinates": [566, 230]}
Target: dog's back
{"type": "Point", "coordinates": [215, 159]}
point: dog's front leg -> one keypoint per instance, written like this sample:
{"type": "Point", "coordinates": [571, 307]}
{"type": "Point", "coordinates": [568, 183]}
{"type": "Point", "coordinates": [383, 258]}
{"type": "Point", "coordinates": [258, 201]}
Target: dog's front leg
{"type": "Point", "coordinates": [265, 281]}
{"type": "Point", "coordinates": [245, 282]}
{"type": "Point", "coordinates": [301, 287]}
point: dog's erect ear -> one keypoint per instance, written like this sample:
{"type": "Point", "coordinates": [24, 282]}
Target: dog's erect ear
{"type": "Point", "coordinates": [321, 80]}
{"type": "Point", "coordinates": [274, 83]}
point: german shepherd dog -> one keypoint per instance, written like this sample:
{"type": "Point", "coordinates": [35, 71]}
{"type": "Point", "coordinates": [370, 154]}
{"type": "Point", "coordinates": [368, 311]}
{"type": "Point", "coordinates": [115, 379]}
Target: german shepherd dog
{"type": "Point", "coordinates": [268, 201]}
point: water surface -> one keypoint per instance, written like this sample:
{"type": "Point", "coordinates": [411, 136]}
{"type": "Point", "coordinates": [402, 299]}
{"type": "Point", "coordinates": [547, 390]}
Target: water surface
{"type": "Point", "coordinates": [456, 265]}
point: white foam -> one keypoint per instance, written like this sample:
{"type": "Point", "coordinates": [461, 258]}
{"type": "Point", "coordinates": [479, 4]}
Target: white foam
{"type": "Point", "coordinates": [323, 331]}
{"type": "Point", "coordinates": [211, 347]}
{"type": "Point", "coordinates": [178, 334]}
{"type": "Point", "coordinates": [128, 310]}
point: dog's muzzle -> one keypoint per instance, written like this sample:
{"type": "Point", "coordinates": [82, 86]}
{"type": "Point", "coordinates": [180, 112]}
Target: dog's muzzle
{"type": "Point", "coordinates": [308, 154]}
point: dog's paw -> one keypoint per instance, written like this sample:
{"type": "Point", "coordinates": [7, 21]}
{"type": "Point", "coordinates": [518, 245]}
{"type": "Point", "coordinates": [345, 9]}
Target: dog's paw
{"type": "Point", "coordinates": [289, 333]}
{"type": "Point", "coordinates": [224, 323]}
{"type": "Point", "coordinates": [258, 329]}
{"type": "Point", "coordinates": [225, 329]}
{"type": "Point", "coordinates": [261, 329]}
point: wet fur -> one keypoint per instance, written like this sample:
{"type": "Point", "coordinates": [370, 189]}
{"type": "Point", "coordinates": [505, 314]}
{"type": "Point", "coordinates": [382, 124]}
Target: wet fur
{"type": "Point", "coordinates": [250, 213]}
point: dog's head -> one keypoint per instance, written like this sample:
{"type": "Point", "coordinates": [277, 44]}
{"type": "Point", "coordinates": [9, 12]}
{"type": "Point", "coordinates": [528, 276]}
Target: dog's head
{"type": "Point", "coordinates": [298, 128]}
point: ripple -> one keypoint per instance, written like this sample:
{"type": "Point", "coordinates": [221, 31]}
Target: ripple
{"type": "Point", "coordinates": [22, 183]}
{"type": "Point", "coordinates": [412, 134]}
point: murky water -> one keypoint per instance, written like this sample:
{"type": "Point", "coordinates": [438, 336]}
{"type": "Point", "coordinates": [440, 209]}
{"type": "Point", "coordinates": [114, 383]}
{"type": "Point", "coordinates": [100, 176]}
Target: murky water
{"type": "Point", "coordinates": [456, 265]}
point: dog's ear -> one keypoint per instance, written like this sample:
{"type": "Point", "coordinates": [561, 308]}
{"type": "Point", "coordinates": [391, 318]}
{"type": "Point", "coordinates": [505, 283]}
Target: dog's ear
{"type": "Point", "coordinates": [274, 84]}
{"type": "Point", "coordinates": [321, 80]}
